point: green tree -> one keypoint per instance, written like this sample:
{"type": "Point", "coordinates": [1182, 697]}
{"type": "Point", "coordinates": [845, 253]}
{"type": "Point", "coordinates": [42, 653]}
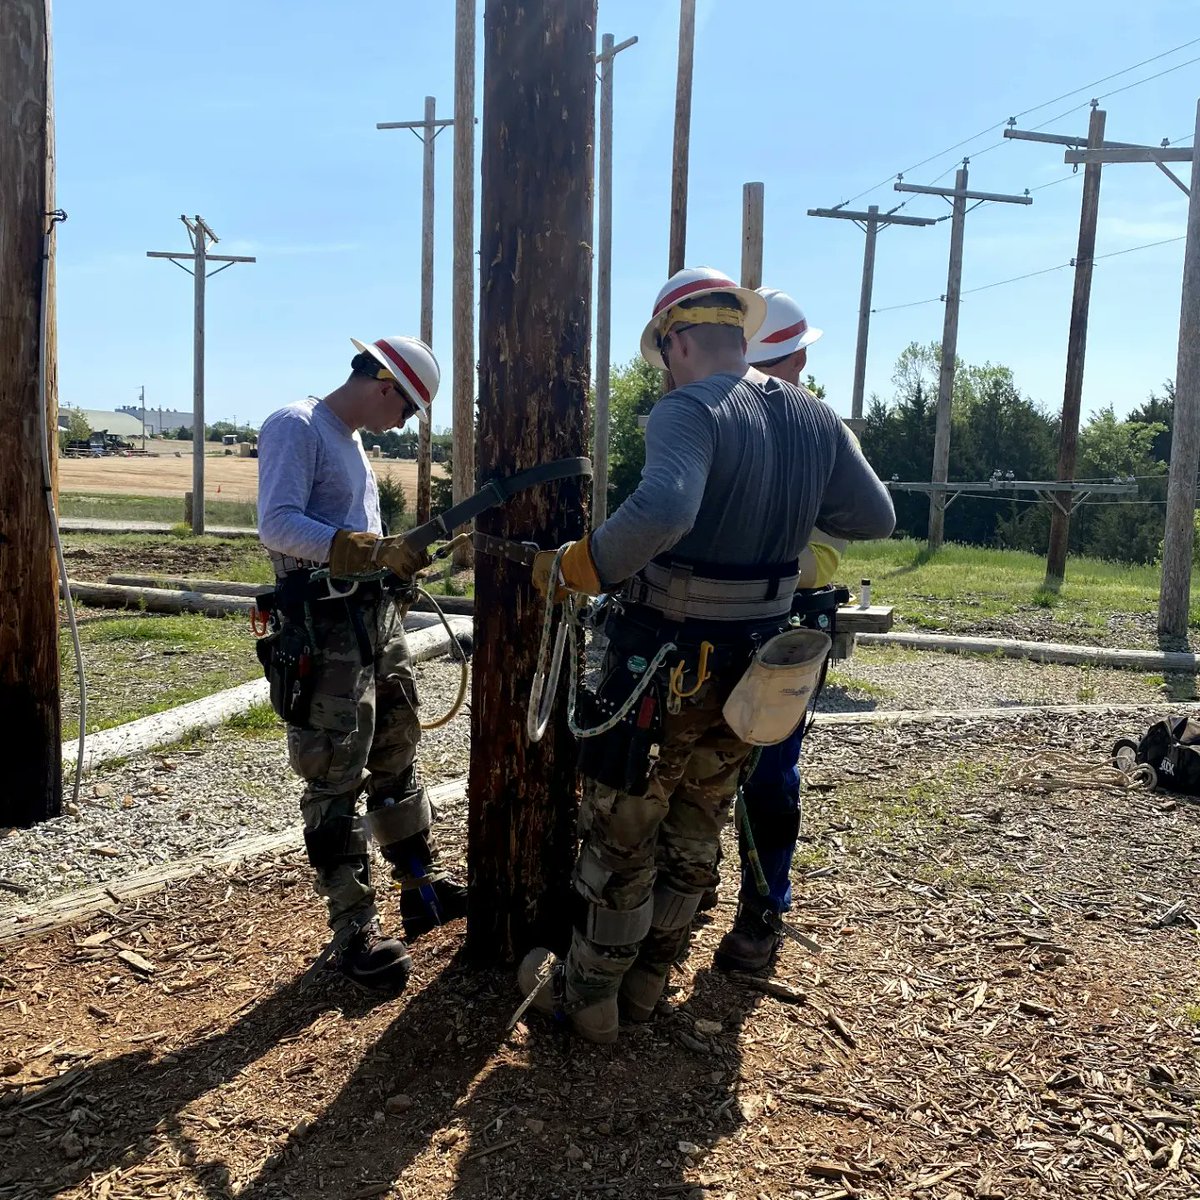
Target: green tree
{"type": "Point", "coordinates": [77, 430]}
{"type": "Point", "coordinates": [635, 388]}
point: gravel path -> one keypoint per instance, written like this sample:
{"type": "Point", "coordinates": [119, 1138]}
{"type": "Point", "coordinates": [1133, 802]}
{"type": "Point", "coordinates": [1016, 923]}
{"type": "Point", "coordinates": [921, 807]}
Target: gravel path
{"type": "Point", "coordinates": [230, 784]}
{"type": "Point", "coordinates": [206, 793]}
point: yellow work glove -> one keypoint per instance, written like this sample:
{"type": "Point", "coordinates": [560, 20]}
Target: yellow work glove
{"type": "Point", "coordinates": [401, 558]}
{"type": "Point", "coordinates": [577, 571]}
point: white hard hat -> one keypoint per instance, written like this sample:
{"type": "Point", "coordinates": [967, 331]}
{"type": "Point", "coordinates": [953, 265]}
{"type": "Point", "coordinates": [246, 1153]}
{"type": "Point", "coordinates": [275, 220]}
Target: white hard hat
{"type": "Point", "coordinates": [783, 332]}
{"type": "Point", "coordinates": [689, 284]}
{"type": "Point", "coordinates": [410, 363]}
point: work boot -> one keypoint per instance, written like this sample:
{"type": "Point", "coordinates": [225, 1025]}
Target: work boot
{"type": "Point", "coordinates": [641, 990]}
{"type": "Point", "coordinates": [593, 1022]}
{"type": "Point", "coordinates": [419, 914]}
{"type": "Point", "coordinates": [373, 960]}
{"type": "Point", "coordinates": [751, 944]}
{"type": "Point", "coordinates": [708, 901]}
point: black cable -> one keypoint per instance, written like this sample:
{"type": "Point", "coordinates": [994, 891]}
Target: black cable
{"type": "Point", "coordinates": [1038, 108]}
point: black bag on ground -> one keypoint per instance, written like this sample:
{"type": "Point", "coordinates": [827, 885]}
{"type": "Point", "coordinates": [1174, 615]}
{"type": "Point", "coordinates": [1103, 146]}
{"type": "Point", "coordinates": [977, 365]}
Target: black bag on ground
{"type": "Point", "coordinates": [1172, 748]}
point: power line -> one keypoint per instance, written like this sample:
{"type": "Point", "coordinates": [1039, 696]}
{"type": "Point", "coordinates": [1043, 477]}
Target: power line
{"type": "Point", "coordinates": [1030, 274]}
{"type": "Point", "coordinates": [1037, 108]}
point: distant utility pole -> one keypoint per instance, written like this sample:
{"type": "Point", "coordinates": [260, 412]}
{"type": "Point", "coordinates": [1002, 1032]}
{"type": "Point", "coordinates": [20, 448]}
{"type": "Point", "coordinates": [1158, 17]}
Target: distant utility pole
{"type": "Point", "coordinates": [683, 125]}
{"type": "Point", "coordinates": [958, 195]}
{"type": "Point", "coordinates": [465, 267]}
{"type": "Point", "coordinates": [30, 721]}
{"type": "Point", "coordinates": [604, 277]}
{"type": "Point", "coordinates": [201, 237]}
{"type": "Point", "coordinates": [426, 131]}
{"type": "Point", "coordinates": [871, 223]}
{"type": "Point", "coordinates": [1178, 534]}
{"type": "Point", "coordinates": [752, 235]}
{"type": "Point", "coordinates": [142, 407]}
{"type": "Point", "coordinates": [1068, 441]}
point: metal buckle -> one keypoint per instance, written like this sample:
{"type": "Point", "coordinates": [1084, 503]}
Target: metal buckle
{"type": "Point", "coordinates": [334, 594]}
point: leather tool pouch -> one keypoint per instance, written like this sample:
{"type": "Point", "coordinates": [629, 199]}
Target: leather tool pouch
{"type": "Point", "coordinates": [623, 758]}
{"type": "Point", "coordinates": [287, 660]}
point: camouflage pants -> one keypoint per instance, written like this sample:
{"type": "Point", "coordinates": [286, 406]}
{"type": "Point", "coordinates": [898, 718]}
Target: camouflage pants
{"type": "Point", "coordinates": [660, 848]}
{"type": "Point", "coordinates": [362, 733]}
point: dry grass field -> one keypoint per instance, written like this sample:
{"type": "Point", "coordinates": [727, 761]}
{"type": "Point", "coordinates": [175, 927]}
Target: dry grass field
{"type": "Point", "coordinates": [167, 475]}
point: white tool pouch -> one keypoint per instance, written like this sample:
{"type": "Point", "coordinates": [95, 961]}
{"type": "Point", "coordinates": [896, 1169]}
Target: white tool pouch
{"type": "Point", "coordinates": [771, 698]}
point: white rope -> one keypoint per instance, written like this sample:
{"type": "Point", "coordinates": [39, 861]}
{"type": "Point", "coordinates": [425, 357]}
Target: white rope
{"type": "Point", "coordinates": [1056, 770]}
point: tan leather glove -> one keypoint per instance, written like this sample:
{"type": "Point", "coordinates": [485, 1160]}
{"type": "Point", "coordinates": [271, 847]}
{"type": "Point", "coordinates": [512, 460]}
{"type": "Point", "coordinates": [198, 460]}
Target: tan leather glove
{"type": "Point", "coordinates": [401, 558]}
{"type": "Point", "coordinates": [352, 553]}
{"type": "Point", "coordinates": [577, 569]}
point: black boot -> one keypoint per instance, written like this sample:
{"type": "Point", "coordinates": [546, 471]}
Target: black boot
{"type": "Point", "coordinates": [374, 961]}
{"type": "Point", "coordinates": [435, 900]}
{"type": "Point", "coordinates": [752, 942]}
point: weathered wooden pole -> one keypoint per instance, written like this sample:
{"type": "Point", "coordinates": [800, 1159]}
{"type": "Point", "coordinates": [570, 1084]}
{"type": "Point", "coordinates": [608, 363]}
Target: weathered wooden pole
{"type": "Point", "coordinates": [683, 128]}
{"type": "Point", "coordinates": [535, 248]}
{"type": "Point", "coordinates": [29, 685]}
{"type": "Point", "coordinates": [463, 288]}
{"type": "Point", "coordinates": [1179, 534]}
{"type": "Point", "coordinates": [752, 235]}
{"type": "Point", "coordinates": [1068, 437]}
{"type": "Point", "coordinates": [608, 51]}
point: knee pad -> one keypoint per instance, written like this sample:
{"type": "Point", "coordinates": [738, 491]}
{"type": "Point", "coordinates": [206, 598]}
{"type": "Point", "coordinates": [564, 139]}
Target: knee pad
{"type": "Point", "coordinates": [336, 841]}
{"type": "Point", "coordinates": [674, 909]}
{"type": "Point", "coordinates": [399, 820]}
{"type": "Point", "coordinates": [610, 926]}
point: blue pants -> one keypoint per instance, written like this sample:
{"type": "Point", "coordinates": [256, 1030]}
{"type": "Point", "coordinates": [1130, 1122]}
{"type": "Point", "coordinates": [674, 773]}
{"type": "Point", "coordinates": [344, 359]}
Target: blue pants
{"type": "Point", "coordinates": [772, 799]}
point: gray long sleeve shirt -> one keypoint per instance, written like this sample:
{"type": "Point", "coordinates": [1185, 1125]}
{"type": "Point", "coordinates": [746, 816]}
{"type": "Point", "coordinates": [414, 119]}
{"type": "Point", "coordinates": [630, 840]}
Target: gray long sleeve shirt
{"type": "Point", "coordinates": [314, 478]}
{"type": "Point", "coordinates": [738, 471]}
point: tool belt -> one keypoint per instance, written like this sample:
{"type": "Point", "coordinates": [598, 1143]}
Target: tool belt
{"type": "Point", "coordinates": [684, 589]}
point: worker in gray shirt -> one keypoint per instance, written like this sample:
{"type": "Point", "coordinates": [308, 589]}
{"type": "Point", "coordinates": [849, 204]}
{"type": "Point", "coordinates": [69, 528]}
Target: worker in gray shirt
{"type": "Point", "coordinates": [337, 660]}
{"type": "Point", "coordinates": [703, 557]}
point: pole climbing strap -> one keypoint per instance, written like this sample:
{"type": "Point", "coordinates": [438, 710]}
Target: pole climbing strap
{"type": "Point", "coordinates": [497, 491]}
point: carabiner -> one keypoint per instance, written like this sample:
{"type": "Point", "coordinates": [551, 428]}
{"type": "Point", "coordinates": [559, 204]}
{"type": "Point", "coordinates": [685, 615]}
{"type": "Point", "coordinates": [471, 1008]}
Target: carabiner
{"type": "Point", "coordinates": [703, 674]}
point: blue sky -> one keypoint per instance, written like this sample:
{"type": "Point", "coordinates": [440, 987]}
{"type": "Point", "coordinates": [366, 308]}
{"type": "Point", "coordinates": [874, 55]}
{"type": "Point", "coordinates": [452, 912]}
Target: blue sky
{"type": "Point", "coordinates": [261, 117]}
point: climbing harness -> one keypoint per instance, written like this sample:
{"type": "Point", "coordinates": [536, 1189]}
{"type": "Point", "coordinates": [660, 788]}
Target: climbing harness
{"type": "Point", "coordinates": [549, 668]}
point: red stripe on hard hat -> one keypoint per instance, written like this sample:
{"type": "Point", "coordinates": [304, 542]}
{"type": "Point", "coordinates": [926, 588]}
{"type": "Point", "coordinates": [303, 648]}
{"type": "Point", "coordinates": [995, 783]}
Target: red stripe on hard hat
{"type": "Point", "coordinates": [700, 285]}
{"type": "Point", "coordinates": [782, 335]}
{"type": "Point", "coordinates": [397, 361]}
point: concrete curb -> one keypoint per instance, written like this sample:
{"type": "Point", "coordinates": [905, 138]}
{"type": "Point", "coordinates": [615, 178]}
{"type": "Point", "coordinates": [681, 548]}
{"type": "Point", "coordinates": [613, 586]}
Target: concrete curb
{"type": "Point", "coordinates": [1048, 652]}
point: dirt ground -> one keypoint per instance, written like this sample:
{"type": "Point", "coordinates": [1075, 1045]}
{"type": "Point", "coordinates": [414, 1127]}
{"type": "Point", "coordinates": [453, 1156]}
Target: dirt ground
{"type": "Point", "coordinates": [995, 1015]}
{"type": "Point", "coordinates": [169, 475]}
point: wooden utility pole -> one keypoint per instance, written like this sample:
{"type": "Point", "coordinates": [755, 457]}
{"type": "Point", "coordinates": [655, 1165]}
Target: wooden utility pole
{"type": "Point", "coordinates": [871, 223]}
{"type": "Point", "coordinates": [463, 288]}
{"type": "Point", "coordinates": [426, 131]}
{"type": "Point", "coordinates": [958, 196]}
{"type": "Point", "coordinates": [683, 125]}
{"type": "Point", "coordinates": [538, 120]}
{"type": "Point", "coordinates": [29, 686]}
{"type": "Point", "coordinates": [201, 236]}
{"type": "Point", "coordinates": [604, 278]}
{"type": "Point", "coordinates": [1178, 534]}
{"type": "Point", "coordinates": [752, 235]}
{"type": "Point", "coordinates": [1068, 438]}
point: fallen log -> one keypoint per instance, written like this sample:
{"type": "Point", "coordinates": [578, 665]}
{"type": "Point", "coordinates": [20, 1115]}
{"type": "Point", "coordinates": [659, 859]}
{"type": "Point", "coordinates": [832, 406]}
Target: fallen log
{"type": "Point", "coordinates": [159, 600]}
{"type": "Point", "coordinates": [219, 587]}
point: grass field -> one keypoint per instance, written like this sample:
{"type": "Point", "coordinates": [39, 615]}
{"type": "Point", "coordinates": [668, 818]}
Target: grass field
{"type": "Point", "coordinates": [963, 586]}
{"type": "Point", "coordinates": [113, 506]}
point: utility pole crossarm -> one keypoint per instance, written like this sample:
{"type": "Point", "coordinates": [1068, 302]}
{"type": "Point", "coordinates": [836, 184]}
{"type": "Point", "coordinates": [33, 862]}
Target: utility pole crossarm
{"type": "Point", "coordinates": [882, 220]}
{"type": "Point", "coordinates": [225, 258]}
{"type": "Point", "coordinates": [965, 194]}
{"type": "Point", "coordinates": [1065, 139]}
{"type": "Point", "coordinates": [414, 124]}
{"type": "Point", "coordinates": [1130, 154]}
{"type": "Point", "coordinates": [613, 51]}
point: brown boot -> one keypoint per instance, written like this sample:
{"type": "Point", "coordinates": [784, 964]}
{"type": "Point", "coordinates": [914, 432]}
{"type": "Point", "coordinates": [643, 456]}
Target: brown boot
{"type": "Point", "coordinates": [593, 1022]}
{"type": "Point", "coordinates": [641, 990]}
{"type": "Point", "coordinates": [751, 944]}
